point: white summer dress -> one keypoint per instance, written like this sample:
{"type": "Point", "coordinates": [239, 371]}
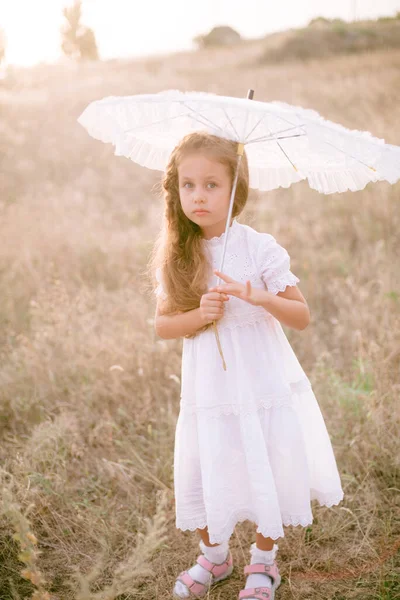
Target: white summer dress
{"type": "Point", "coordinates": [250, 442]}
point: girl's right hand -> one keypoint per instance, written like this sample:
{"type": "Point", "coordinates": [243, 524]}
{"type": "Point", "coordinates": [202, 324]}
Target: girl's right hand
{"type": "Point", "coordinates": [212, 306]}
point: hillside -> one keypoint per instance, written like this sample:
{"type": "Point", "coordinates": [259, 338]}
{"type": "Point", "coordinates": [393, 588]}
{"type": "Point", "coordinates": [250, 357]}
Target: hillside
{"type": "Point", "coordinates": [323, 38]}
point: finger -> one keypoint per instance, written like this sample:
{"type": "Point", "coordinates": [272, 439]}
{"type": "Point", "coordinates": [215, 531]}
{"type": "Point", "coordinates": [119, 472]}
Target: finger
{"type": "Point", "coordinates": [222, 290]}
{"type": "Point", "coordinates": [232, 288]}
{"type": "Point", "coordinates": [215, 315]}
{"type": "Point", "coordinates": [216, 295]}
{"type": "Point", "coordinates": [215, 303]}
{"type": "Point", "coordinates": [224, 296]}
{"type": "Point", "coordinates": [224, 277]}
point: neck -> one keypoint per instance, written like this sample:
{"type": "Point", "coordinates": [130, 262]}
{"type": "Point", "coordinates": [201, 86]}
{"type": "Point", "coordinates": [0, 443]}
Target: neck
{"type": "Point", "coordinates": [215, 230]}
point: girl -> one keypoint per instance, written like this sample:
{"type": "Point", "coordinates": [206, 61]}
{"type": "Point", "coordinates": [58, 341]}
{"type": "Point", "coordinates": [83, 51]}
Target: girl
{"type": "Point", "coordinates": [250, 441]}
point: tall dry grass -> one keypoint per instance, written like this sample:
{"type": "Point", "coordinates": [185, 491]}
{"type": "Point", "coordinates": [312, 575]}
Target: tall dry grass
{"type": "Point", "coordinates": [89, 394]}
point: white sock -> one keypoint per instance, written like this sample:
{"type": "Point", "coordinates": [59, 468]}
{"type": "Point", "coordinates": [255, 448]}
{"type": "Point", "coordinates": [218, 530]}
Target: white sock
{"type": "Point", "coordinates": [217, 554]}
{"type": "Point", "coordinates": [265, 557]}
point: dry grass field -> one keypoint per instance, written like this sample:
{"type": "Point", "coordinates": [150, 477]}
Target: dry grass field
{"type": "Point", "coordinates": [89, 396]}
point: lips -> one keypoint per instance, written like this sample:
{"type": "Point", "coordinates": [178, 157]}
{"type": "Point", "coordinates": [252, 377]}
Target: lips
{"type": "Point", "coordinates": [196, 212]}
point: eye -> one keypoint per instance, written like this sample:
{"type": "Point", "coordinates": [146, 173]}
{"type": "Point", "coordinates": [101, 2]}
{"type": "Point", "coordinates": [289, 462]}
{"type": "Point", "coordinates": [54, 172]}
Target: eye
{"type": "Point", "coordinates": [187, 183]}
{"type": "Point", "coordinates": [212, 183]}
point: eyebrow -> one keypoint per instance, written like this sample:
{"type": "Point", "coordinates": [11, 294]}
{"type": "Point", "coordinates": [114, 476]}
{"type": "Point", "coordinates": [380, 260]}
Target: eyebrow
{"type": "Point", "coordinates": [207, 177]}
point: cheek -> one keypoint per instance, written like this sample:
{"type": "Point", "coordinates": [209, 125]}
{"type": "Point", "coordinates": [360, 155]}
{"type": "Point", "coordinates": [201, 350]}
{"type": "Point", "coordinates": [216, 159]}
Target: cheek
{"type": "Point", "coordinates": [184, 202]}
{"type": "Point", "coordinates": [225, 195]}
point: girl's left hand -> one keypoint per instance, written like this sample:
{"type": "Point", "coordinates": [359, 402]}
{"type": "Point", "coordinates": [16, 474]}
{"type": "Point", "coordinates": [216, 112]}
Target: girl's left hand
{"type": "Point", "coordinates": [240, 290]}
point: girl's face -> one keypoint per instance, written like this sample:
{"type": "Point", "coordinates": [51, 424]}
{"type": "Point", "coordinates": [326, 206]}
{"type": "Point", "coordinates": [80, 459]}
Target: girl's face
{"type": "Point", "coordinates": [204, 185]}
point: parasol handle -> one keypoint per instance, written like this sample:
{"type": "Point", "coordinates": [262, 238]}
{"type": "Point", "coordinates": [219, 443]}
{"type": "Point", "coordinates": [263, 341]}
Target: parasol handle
{"type": "Point", "coordinates": [240, 151]}
{"type": "Point", "coordinates": [219, 344]}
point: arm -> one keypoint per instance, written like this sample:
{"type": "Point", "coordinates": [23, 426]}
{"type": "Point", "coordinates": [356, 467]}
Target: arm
{"type": "Point", "coordinates": [289, 307]}
{"type": "Point", "coordinates": [178, 324]}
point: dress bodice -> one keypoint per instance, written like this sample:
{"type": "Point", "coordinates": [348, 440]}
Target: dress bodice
{"type": "Point", "coordinates": [249, 256]}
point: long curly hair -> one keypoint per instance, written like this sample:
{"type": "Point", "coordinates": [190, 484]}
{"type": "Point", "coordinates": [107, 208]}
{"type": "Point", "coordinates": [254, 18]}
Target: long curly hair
{"type": "Point", "coordinates": [178, 250]}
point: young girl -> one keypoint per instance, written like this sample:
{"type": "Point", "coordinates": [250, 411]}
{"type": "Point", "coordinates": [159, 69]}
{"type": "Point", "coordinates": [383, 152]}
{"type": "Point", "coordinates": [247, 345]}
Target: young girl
{"type": "Point", "coordinates": [250, 441]}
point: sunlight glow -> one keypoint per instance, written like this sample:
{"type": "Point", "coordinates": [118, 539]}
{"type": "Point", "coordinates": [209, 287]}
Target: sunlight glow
{"type": "Point", "coordinates": [32, 31]}
{"type": "Point", "coordinates": [129, 28]}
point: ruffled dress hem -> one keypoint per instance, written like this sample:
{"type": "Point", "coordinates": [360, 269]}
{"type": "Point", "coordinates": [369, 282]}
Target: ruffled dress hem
{"type": "Point", "coordinates": [328, 499]}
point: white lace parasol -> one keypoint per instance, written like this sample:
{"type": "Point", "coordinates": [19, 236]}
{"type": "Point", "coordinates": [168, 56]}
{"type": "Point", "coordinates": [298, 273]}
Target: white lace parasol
{"type": "Point", "coordinates": [283, 143]}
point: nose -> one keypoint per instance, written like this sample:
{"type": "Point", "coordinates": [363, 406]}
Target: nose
{"type": "Point", "coordinates": [199, 199]}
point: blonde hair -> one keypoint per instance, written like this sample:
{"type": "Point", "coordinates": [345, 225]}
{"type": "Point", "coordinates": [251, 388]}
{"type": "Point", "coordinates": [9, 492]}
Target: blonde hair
{"type": "Point", "coordinates": [178, 250]}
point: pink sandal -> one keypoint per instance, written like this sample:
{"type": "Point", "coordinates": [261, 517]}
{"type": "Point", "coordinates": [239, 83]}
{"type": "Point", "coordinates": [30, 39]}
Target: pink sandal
{"type": "Point", "coordinates": [262, 593]}
{"type": "Point", "coordinates": [218, 572]}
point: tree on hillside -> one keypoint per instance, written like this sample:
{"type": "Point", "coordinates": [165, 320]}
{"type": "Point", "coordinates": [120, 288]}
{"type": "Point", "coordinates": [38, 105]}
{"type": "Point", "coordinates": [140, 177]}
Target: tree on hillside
{"type": "Point", "coordinates": [78, 41]}
{"type": "Point", "coordinates": [219, 36]}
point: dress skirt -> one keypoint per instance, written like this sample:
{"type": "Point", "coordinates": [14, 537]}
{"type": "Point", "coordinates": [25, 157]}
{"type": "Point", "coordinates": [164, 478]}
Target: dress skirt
{"type": "Point", "coordinates": [250, 442]}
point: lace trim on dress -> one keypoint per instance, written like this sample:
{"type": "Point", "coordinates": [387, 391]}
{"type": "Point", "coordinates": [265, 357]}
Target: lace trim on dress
{"type": "Point", "coordinates": [231, 321]}
{"type": "Point", "coordinates": [219, 239]}
{"type": "Point", "coordinates": [274, 532]}
{"type": "Point", "coordinates": [227, 530]}
{"type": "Point", "coordinates": [262, 403]}
{"type": "Point", "coordinates": [327, 498]}
{"type": "Point", "coordinates": [219, 410]}
{"type": "Point", "coordinates": [279, 285]}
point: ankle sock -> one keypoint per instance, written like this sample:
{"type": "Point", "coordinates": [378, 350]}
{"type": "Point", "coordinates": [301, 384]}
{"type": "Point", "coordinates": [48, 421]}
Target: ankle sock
{"type": "Point", "coordinates": [217, 554]}
{"type": "Point", "coordinates": [266, 557]}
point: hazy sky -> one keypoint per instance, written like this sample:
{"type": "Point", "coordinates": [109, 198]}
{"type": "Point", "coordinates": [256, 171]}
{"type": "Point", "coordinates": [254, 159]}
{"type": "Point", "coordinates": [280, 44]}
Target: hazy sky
{"type": "Point", "coordinates": [134, 28]}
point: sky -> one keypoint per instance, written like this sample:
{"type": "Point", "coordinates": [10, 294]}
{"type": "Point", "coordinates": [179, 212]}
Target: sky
{"type": "Point", "coordinates": [126, 28]}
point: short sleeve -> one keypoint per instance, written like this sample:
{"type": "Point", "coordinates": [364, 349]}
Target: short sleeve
{"type": "Point", "coordinates": [159, 291]}
{"type": "Point", "coordinates": [274, 265]}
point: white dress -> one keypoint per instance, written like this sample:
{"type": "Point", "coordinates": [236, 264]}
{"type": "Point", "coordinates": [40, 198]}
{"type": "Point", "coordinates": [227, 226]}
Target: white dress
{"type": "Point", "coordinates": [250, 442]}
